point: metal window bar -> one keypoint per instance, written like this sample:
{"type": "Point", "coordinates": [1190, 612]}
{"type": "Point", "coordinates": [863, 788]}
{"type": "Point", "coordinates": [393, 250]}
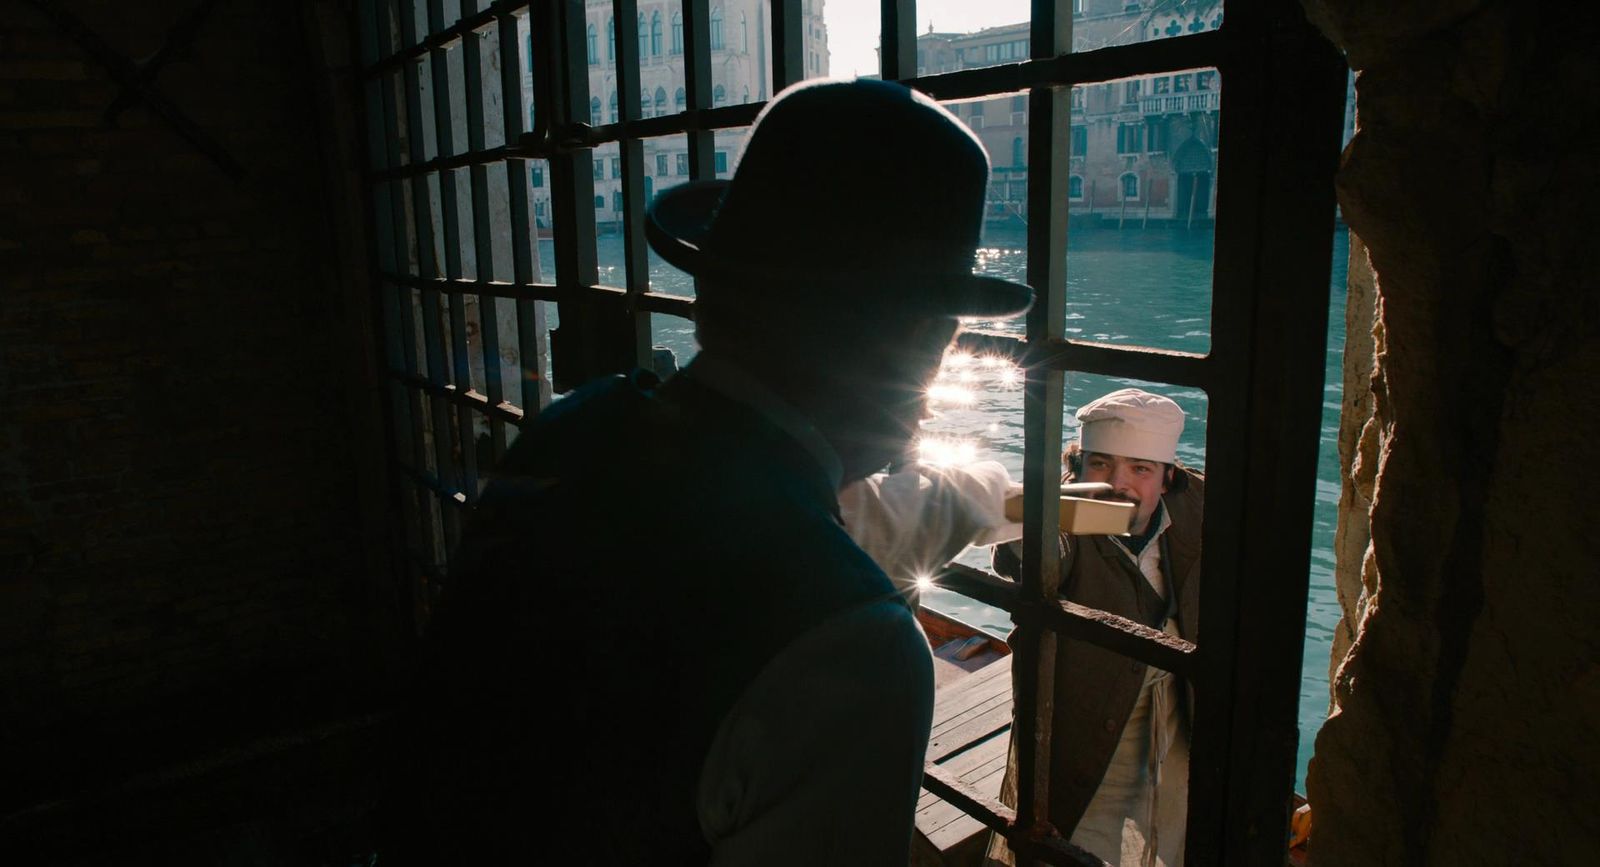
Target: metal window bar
{"type": "Point", "coordinates": [636, 258]}
{"type": "Point", "coordinates": [420, 536]}
{"type": "Point", "coordinates": [450, 224]}
{"type": "Point", "coordinates": [531, 323]}
{"type": "Point", "coordinates": [427, 264]}
{"type": "Point", "coordinates": [482, 226]}
{"type": "Point", "coordinates": [1261, 375]}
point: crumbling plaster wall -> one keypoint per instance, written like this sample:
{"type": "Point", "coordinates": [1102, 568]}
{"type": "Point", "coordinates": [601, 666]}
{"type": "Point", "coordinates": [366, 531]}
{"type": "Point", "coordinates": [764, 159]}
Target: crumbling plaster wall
{"type": "Point", "coordinates": [1466, 710]}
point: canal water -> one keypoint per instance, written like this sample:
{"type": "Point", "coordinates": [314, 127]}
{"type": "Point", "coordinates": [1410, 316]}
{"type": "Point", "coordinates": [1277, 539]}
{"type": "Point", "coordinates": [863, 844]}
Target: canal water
{"type": "Point", "coordinates": [1136, 286]}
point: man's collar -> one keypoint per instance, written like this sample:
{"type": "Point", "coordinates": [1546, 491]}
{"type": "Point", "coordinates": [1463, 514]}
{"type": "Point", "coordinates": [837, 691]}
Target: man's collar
{"type": "Point", "coordinates": [1163, 520]}
{"type": "Point", "coordinates": [735, 383]}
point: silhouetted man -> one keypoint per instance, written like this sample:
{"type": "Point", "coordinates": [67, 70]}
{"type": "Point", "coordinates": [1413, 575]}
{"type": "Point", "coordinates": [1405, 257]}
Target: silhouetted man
{"type": "Point", "coordinates": [663, 647]}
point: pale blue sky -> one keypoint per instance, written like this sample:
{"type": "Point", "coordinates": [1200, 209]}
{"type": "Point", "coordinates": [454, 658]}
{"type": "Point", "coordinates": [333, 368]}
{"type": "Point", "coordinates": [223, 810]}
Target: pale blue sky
{"type": "Point", "coordinates": [853, 27]}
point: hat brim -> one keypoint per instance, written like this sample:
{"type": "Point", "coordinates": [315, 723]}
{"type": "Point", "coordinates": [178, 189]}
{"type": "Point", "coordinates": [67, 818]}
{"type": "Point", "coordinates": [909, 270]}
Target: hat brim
{"type": "Point", "coordinates": [678, 222]}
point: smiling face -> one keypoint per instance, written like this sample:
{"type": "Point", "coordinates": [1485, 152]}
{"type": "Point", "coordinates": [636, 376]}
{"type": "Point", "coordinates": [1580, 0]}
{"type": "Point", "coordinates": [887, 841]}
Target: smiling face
{"type": "Point", "coordinates": [1132, 480]}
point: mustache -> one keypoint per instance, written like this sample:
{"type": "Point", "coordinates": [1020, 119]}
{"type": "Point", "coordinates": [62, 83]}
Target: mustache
{"type": "Point", "coordinates": [1113, 495]}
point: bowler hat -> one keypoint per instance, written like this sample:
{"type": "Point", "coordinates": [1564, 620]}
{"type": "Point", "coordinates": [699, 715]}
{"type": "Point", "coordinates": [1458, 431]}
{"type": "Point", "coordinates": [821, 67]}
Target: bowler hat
{"type": "Point", "coordinates": [864, 192]}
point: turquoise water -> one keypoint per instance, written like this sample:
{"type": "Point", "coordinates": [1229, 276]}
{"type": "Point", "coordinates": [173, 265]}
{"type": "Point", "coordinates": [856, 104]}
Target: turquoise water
{"type": "Point", "coordinates": [1148, 287]}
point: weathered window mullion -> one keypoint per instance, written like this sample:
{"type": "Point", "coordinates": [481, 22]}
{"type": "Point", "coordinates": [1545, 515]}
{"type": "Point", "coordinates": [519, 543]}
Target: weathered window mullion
{"type": "Point", "coordinates": [531, 323]}
{"type": "Point", "coordinates": [697, 80]}
{"type": "Point", "coordinates": [420, 532]}
{"type": "Point", "coordinates": [1042, 409]}
{"type": "Point", "coordinates": [635, 257]}
{"type": "Point", "coordinates": [445, 465]}
{"type": "Point", "coordinates": [450, 224]}
{"type": "Point", "coordinates": [483, 230]}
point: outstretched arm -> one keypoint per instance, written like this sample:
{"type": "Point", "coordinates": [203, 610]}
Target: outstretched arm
{"type": "Point", "coordinates": [915, 520]}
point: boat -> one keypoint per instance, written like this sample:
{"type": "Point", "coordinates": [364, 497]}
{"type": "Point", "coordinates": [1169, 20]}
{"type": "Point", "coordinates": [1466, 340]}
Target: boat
{"type": "Point", "coordinates": [971, 734]}
{"type": "Point", "coordinates": [959, 648]}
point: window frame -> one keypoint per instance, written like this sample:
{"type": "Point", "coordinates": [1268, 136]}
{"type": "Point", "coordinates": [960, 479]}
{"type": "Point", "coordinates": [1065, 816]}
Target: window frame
{"type": "Point", "coordinates": [1263, 383]}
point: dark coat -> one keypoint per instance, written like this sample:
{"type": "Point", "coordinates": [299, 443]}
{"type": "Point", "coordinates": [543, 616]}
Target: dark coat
{"type": "Point", "coordinates": [640, 557]}
{"type": "Point", "coordinates": [1096, 689]}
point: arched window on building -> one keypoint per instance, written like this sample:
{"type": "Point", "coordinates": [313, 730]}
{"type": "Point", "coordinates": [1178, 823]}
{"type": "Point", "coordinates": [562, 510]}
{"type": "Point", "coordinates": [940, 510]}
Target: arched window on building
{"type": "Point", "coordinates": [644, 38]}
{"type": "Point", "coordinates": [594, 51]}
{"type": "Point", "coordinates": [1075, 187]}
{"type": "Point", "coordinates": [1130, 186]}
{"type": "Point", "coordinates": [677, 33]}
{"type": "Point", "coordinates": [679, 100]}
{"type": "Point", "coordinates": [716, 29]}
{"type": "Point", "coordinates": [719, 95]}
{"type": "Point", "coordinates": [594, 111]}
{"type": "Point", "coordinates": [655, 33]}
{"type": "Point", "coordinates": [599, 203]}
{"type": "Point", "coordinates": [746, 94]}
{"type": "Point", "coordinates": [744, 34]}
{"type": "Point", "coordinates": [1019, 153]}
{"type": "Point", "coordinates": [661, 100]}
{"type": "Point", "coordinates": [611, 39]}
{"type": "Point", "coordinates": [613, 106]}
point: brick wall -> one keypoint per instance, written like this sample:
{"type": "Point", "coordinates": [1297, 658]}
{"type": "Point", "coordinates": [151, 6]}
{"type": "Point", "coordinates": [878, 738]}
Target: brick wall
{"type": "Point", "coordinates": [185, 434]}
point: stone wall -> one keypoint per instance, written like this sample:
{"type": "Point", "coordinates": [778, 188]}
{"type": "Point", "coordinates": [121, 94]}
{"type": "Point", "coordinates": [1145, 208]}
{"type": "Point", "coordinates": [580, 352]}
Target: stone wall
{"type": "Point", "coordinates": [1466, 711]}
{"type": "Point", "coordinates": [186, 519]}
{"type": "Point", "coordinates": [1361, 440]}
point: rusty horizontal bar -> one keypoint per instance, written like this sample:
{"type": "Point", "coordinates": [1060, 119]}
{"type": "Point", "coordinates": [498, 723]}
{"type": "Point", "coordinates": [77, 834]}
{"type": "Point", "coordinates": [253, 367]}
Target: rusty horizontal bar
{"type": "Point", "coordinates": [1069, 619]}
{"type": "Point", "coordinates": [489, 288]}
{"type": "Point", "coordinates": [1103, 64]}
{"type": "Point", "coordinates": [1124, 636]}
{"type": "Point", "coordinates": [1003, 820]}
{"type": "Point", "coordinates": [654, 302]}
{"type": "Point", "coordinates": [1140, 362]}
{"type": "Point", "coordinates": [462, 160]}
{"type": "Point", "coordinates": [442, 38]}
{"type": "Point", "coordinates": [692, 120]}
{"type": "Point", "coordinates": [427, 480]}
{"type": "Point", "coordinates": [993, 814]}
{"type": "Point", "coordinates": [506, 412]}
{"type": "Point", "coordinates": [499, 289]}
{"type": "Point", "coordinates": [986, 587]}
{"type": "Point", "coordinates": [672, 305]}
{"type": "Point", "coordinates": [532, 145]}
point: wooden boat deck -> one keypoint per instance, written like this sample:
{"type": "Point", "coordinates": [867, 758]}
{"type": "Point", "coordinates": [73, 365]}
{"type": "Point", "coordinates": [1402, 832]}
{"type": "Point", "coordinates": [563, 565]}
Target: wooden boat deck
{"type": "Point", "coordinates": [971, 734]}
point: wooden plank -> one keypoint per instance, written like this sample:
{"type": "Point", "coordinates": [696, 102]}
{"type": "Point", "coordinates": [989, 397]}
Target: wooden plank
{"type": "Point", "coordinates": [980, 706]}
{"type": "Point", "coordinates": [982, 684]}
{"type": "Point", "coordinates": [980, 728]}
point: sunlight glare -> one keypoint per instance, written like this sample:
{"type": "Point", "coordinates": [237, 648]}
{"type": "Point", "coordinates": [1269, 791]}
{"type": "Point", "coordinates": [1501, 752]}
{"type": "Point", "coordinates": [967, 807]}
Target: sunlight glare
{"type": "Point", "coordinates": [943, 452]}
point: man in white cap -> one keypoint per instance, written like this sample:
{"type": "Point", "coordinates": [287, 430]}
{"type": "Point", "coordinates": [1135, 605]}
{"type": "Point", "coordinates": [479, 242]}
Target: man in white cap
{"type": "Point", "coordinates": [1119, 756]}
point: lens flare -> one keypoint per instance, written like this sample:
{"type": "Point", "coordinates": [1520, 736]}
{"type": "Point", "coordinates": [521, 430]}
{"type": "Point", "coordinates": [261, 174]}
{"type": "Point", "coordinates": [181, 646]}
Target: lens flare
{"type": "Point", "coordinates": [951, 394]}
{"type": "Point", "coordinates": [946, 452]}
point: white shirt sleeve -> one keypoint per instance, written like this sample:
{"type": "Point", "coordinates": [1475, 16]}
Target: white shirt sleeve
{"type": "Point", "coordinates": [915, 520]}
{"type": "Point", "coordinates": [820, 760]}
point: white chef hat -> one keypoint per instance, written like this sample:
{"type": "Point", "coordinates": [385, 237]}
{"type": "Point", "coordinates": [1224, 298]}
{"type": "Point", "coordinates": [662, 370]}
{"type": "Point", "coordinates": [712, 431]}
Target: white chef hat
{"type": "Point", "coordinates": [1133, 424]}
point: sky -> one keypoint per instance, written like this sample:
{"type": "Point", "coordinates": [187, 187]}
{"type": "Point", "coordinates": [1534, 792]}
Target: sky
{"type": "Point", "coordinates": [853, 27]}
